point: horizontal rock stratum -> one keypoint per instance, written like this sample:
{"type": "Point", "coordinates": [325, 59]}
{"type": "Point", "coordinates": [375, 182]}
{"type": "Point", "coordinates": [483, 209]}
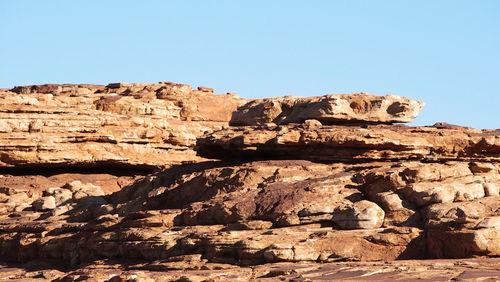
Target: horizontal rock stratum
{"type": "Point", "coordinates": [122, 124]}
{"type": "Point", "coordinates": [328, 109]}
{"type": "Point", "coordinates": [313, 141]}
{"type": "Point", "coordinates": [159, 181]}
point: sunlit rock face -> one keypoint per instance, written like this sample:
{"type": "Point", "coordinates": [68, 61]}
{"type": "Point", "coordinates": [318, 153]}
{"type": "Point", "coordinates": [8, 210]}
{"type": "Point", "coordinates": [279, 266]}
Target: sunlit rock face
{"type": "Point", "coordinates": [328, 109]}
{"type": "Point", "coordinates": [127, 180]}
{"type": "Point", "coordinates": [127, 124]}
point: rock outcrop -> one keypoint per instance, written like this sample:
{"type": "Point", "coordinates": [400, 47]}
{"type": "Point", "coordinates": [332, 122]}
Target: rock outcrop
{"type": "Point", "coordinates": [297, 188]}
{"type": "Point", "coordinates": [329, 109]}
{"type": "Point", "coordinates": [123, 124]}
{"type": "Point", "coordinates": [334, 143]}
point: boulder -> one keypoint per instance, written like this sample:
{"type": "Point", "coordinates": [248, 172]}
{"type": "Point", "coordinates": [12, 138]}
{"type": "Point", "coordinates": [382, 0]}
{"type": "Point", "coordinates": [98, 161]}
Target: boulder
{"type": "Point", "coordinates": [60, 195]}
{"type": "Point", "coordinates": [45, 203]}
{"type": "Point", "coordinates": [360, 215]}
{"type": "Point", "coordinates": [354, 108]}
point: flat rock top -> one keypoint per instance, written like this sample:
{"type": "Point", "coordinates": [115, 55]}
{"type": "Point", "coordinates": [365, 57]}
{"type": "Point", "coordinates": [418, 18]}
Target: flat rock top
{"type": "Point", "coordinates": [329, 109]}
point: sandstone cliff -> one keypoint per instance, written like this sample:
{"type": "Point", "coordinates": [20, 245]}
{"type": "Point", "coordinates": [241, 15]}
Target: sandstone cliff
{"type": "Point", "coordinates": [160, 181]}
{"type": "Point", "coordinates": [123, 124]}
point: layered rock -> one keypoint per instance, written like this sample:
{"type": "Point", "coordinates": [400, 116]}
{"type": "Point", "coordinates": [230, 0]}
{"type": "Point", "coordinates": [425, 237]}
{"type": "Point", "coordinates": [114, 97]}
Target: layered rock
{"type": "Point", "coordinates": [308, 180]}
{"type": "Point", "coordinates": [248, 214]}
{"type": "Point", "coordinates": [242, 213]}
{"type": "Point", "coordinates": [329, 109]}
{"type": "Point", "coordinates": [195, 268]}
{"type": "Point", "coordinates": [121, 125]}
{"type": "Point", "coordinates": [313, 141]}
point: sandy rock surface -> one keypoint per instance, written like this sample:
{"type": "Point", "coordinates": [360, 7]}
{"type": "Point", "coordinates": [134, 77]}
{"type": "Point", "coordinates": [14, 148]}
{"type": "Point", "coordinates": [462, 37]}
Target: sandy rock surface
{"type": "Point", "coordinates": [330, 143]}
{"type": "Point", "coordinates": [149, 182]}
{"type": "Point", "coordinates": [125, 124]}
{"type": "Point", "coordinates": [328, 109]}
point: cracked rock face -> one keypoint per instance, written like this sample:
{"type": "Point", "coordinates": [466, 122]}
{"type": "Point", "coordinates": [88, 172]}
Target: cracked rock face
{"type": "Point", "coordinates": [149, 181]}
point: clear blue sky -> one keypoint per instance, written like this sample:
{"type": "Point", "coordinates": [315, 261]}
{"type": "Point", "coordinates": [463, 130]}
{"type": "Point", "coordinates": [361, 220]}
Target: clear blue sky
{"type": "Point", "coordinates": [446, 53]}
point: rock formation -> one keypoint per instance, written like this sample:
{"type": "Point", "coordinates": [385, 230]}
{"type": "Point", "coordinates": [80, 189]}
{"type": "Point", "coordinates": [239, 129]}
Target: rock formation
{"type": "Point", "coordinates": [127, 124]}
{"type": "Point", "coordinates": [329, 109]}
{"type": "Point", "coordinates": [129, 182]}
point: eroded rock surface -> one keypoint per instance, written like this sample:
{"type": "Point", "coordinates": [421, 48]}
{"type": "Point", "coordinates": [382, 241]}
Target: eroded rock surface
{"type": "Point", "coordinates": [352, 143]}
{"type": "Point", "coordinates": [268, 211]}
{"type": "Point", "coordinates": [328, 109]}
{"type": "Point", "coordinates": [122, 124]}
{"type": "Point", "coordinates": [296, 201]}
{"type": "Point", "coordinates": [194, 268]}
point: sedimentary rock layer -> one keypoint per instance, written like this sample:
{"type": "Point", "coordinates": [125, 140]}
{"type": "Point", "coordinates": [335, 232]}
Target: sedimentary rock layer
{"type": "Point", "coordinates": [329, 109]}
{"type": "Point", "coordinates": [124, 124]}
{"type": "Point", "coordinates": [196, 268]}
{"type": "Point", "coordinates": [313, 141]}
{"type": "Point", "coordinates": [264, 212]}
{"type": "Point", "coordinates": [290, 201]}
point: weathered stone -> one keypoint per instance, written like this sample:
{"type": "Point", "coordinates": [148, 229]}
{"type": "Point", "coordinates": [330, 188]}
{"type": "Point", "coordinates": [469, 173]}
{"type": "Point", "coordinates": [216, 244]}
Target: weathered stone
{"type": "Point", "coordinates": [490, 222]}
{"type": "Point", "coordinates": [479, 269]}
{"type": "Point", "coordinates": [477, 167]}
{"type": "Point", "coordinates": [60, 195]}
{"type": "Point", "coordinates": [391, 201]}
{"type": "Point", "coordinates": [291, 192]}
{"type": "Point", "coordinates": [463, 215]}
{"type": "Point", "coordinates": [360, 215]}
{"type": "Point", "coordinates": [480, 242]}
{"type": "Point", "coordinates": [89, 201]}
{"type": "Point", "coordinates": [329, 109]}
{"type": "Point", "coordinates": [121, 125]}
{"type": "Point", "coordinates": [491, 189]}
{"type": "Point", "coordinates": [81, 190]}
{"type": "Point", "coordinates": [312, 123]}
{"type": "Point", "coordinates": [205, 89]}
{"type": "Point", "coordinates": [352, 144]}
{"type": "Point", "coordinates": [45, 203]}
{"type": "Point", "coordinates": [251, 225]}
